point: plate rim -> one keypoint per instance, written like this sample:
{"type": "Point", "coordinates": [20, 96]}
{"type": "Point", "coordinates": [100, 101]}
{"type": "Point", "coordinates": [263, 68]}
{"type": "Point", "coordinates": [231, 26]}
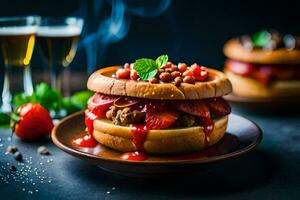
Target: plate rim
{"type": "Point", "coordinates": [75, 152]}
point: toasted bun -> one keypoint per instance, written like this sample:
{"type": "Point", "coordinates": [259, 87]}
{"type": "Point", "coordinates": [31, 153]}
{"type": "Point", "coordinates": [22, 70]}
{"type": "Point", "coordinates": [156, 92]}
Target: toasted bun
{"type": "Point", "coordinates": [101, 81]}
{"type": "Point", "coordinates": [249, 87]}
{"type": "Point", "coordinates": [158, 141]}
{"type": "Point", "coordinates": [234, 50]}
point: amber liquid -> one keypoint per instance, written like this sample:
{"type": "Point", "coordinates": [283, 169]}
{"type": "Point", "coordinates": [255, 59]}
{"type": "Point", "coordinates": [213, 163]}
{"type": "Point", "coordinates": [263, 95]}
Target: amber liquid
{"type": "Point", "coordinates": [17, 49]}
{"type": "Point", "coordinates": [58, 50]}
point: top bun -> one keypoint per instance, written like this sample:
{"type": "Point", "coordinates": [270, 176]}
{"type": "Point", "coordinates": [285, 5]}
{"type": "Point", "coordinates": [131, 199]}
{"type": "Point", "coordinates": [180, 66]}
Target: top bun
{"type": "Point", "coordinates": [233, 49]}
{"type": "Point", "coordinates": [102, 81]}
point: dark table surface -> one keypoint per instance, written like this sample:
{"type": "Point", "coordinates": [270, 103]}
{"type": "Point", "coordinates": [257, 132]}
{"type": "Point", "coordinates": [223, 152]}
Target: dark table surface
{"type": "Point", "coordinates": [271, 171]}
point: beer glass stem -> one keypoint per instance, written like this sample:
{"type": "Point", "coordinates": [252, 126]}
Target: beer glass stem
{"type": "Point", "coordinates": [27, 81]}
{"type": "Point", "coordinates": [56, 77]}
{"type": "Point", "coordinates": [6, 95]}
{"type": "Point", "coordinates": [22, 81]}
{"type": "Point", "coordinates": [66, 86]}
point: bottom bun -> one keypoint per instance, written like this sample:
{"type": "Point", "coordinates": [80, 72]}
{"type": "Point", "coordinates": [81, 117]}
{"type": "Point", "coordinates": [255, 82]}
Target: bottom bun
{"type": "Point", "coordinates": [249, 87]}
{"type": "Point", "coordinates": [165, 141]}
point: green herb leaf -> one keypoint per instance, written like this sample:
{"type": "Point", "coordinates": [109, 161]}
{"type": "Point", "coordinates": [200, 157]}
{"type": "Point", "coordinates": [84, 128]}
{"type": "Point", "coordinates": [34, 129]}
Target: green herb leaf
{"type": "Point", "coordinates": [20, 99]}
{"type": "Point", "coordinates": [261, 39]}
{"type": "Point", "coordinates": [47, 97]}
{"type": "Point", "coordinates": [76, 102]}
{"type": "Point", "coordinates": [146, 68]}
{"type": "Point", "coordinates": [162, 60]}
{"type": "Point", "coordinates": [80, 99]}
{"type": "Point", "coordinates": [67, 104]}
{"type": "Point", "coordinates": [50, 99]}
{"type": "Point", "coordinates": [14, 117]}
{"type": "Point", "coordinates": [4, 120]}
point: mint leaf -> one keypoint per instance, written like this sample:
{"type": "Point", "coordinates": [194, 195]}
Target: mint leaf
{"type": "Point", "coordinates": [146, 68]}
{"type": "Point", "coordinates": [150, 75]}
{"type": "Point", "coordinates": [261, 39]}
{"type": "Point", "coordinates": [162, 60]}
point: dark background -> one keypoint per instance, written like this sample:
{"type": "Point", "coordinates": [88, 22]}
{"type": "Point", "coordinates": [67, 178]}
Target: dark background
{"type": "Point", "coordinates": [190, 31]}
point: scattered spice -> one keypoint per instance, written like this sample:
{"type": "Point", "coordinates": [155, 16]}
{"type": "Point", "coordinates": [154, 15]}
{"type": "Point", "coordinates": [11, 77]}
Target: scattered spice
{"type": "Point", "coordinates": [12, 168]}
{"type": "Point", "coordinates": [43, 150]}
{"type": "Point", "coordinates": [11, 149]}
{"type": "Point", "coordinates": [24, 172]}
{"type": "Point", "coordinates": [18, 156]}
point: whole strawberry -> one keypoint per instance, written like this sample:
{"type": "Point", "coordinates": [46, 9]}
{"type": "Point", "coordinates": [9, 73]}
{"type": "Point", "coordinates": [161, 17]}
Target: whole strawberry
{"type": "Point", "coordinates": [32, 122]}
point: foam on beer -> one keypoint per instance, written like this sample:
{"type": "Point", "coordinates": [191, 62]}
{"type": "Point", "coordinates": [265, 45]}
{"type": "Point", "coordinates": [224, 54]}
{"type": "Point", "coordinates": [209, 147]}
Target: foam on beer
{"type": "Point", "coordinates": [58, 31]}
{"type": "Point", "coordinates": [17, 30]}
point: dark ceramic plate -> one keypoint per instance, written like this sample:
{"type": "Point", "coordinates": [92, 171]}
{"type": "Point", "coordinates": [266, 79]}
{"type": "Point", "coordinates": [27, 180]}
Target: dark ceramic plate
{"type": "Point", "coordinates": [241, 137]}
{"type": "Point", "coordinates": [264, 105]}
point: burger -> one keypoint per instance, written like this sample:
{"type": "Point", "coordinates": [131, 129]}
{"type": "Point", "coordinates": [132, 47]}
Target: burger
{"type": "Point", "coordinates": [157, 107]}
{"type": "Point", "coordinates": [265, 64]}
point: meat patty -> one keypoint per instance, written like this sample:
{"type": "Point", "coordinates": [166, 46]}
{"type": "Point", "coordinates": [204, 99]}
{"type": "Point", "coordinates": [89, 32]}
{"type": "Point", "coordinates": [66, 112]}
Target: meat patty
{"type": "Point", "coordinates": [125, 116]}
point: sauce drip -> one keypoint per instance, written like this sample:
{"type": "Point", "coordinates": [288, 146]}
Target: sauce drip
{"type": "Point", "coordinates": [135, 156]}
{"type": "Point", "coordinates": [139, 133]}
{"type": "Point", "coordinates": [85, 140]}
{"type": "Point", "coordinates": [208, 126]}
{"type": "Point", "coordinates": [89, 119]}
{"type": "Point", "coordinates": [97, 107]}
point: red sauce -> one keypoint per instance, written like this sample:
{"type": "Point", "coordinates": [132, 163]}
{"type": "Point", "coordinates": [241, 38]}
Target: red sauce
{"type": "Point", "coordinates": [139, 133]}
{"type": "Point", "coordinates": [135, 156]}
{"type": "Point", "coordinates": [99, 106]}
{"type": "Point", "coordinates": [89, 119]}
{"type": "Point", "coordinates": [208, 126]}
{"type": "Point", "coordinates": [264, 72]}
{"type": "Point", "coordinates": [85, 140]}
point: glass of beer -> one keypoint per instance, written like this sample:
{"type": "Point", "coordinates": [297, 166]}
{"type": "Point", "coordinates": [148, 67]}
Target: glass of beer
{"type": "Point", "coordinates": [57, 39]}
{"type": "Point", "coordinates": [17, 38]}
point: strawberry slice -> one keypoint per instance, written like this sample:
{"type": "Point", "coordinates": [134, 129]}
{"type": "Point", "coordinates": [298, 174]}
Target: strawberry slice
{"type": "Point", "coordinates": [99, 104]}
{"type": "Point", "coordinates": [244, 69]}
{"type": "Point", "coordinates": [201, 110]}
{"type": "Point", "coordinates": [196, 108]}
{"type": "Point", "coordinates": [263, 74]}
{"type": "Point", "coordinates": [218, 106]}
{"type": "Point", "coordinates": [158, 117]}
{"type": "Point", "coordinates": [100, 99]}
